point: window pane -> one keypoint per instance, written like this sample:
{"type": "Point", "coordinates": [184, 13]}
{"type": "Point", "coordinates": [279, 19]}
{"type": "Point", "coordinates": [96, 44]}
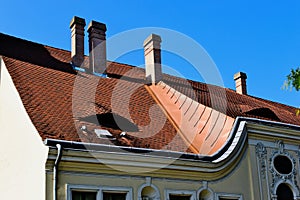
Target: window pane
{"type": "Point", "coordinates": [179, 197]}
{"type": "Point", "coordinates": [76, 195]}
{"type": "Point", "coordinates": [114, 196]}
{"type": "Point", "coordinates": [284, 192]}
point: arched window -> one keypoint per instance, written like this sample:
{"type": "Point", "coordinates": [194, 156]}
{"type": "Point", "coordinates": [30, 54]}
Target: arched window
{"type": "Point", "coordinates": [148, 193]}
{"type": "Point", "coordinates": [284, 192]}
{"type": "Point", "coordinates": [206, 195]}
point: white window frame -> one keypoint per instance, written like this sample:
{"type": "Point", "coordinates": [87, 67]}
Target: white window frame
{"type": "Point", "coordinates": [192, 193]}
{"type": "Point", "coordinates": [228, 196]}
{"type": "Point", "coordinates": [98, 189]}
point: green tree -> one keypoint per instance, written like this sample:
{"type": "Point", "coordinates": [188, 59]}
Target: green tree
{"type": "Point", "coordinates": [293, 80]}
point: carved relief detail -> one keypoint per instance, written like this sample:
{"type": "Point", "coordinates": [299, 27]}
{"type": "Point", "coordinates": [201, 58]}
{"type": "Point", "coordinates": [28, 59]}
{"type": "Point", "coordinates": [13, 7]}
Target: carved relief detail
{"type": "Point", "coordinates": [280, 177]}
{"type": "Point", "coordinates": [261, 154]}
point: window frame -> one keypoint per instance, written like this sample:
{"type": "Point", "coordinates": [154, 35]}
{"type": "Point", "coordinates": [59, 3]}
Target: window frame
{"type": "Point", "coordinates": [228, 196]}
{"type": "Point", "coordinates": [192, 193]}
{"type": "Point", "coordinates": [99, 190]}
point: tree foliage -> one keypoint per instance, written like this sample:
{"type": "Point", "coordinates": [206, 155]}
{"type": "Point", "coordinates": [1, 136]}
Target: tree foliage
{"type": "Point", "coordinates": [293, 80]}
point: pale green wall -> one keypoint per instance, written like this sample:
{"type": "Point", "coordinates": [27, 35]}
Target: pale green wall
{"type": "Point", "coordinates": [242, 180]}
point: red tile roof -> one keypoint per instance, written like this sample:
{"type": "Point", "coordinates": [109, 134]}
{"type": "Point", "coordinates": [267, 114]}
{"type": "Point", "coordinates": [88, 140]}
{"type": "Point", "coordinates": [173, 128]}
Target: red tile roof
{"type": "Point", "coordinates": [62, 101]}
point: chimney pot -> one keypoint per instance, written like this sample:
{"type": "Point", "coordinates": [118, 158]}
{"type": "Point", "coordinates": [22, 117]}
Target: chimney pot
{"type": "Point", "coordinates": [240, 82]}
{"type": "Point", "coordinates": [152, 52]}
{"type": "Point", "coordinates": [97, 47]}
{"type": "Point", "coordinates": [77, 40]}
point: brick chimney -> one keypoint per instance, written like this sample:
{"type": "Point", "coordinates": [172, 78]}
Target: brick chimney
{"type": "Point", "coordinates": [153, 59]}
{"type": "Point", "coordinates": [77, 40]}
{"type": "Point", "coordinates": [97, 47]}
{"type": "Point", "coordinates": [240, 83]}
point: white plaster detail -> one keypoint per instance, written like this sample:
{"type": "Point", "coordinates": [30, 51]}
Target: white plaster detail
{"type": "Point", "coordinates": [148, 180]}
{"type": "Point", "coordinates": [261, 159]}
{"type": "Point", "coordinates": [205, 184]}
{"type": "Point", "coordinates": [148, 191]}
{"type": "Point", "coordinates": [261, 154]}
{"type": "Point", "coordinates": [241, 130]}
{"type": "Point", "coordinates": [277, 177]}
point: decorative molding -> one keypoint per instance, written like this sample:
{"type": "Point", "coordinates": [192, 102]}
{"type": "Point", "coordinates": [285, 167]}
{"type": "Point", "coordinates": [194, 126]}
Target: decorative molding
{"type": "Point", "coordinates": [261, 153]}
{"type": "Point", "coordinates": [273, 129]}
{"type": "Point", "coordinates": [277, 177]}
{"type": "Point", "coordinates": [148, 180]}
{"type": "Point", "coordinates": [268, 144]}
{"type": "Point", "coordinates": [280, 146]}
{"type": "Point", "coordinates": [148, 184]}
{"type": "Point", "coordinates": [205, 184]}
{"type": "Point", "coordinates": [146, 161]}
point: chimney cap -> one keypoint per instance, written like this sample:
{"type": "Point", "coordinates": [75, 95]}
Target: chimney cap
{"type": "Point", "coordinates": [152, 37]}
{"type": "Point", "coordinates": [77, 20]}
{"type": "Point", "coordinates": [240, 75]}
{"type": "Point", "coordinates": [97, 25]}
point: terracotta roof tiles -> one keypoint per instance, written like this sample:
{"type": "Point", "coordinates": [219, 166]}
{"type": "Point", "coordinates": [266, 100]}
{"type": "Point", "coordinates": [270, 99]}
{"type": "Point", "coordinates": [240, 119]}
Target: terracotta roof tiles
{"type": "Point", "coordinates": [61, 101]}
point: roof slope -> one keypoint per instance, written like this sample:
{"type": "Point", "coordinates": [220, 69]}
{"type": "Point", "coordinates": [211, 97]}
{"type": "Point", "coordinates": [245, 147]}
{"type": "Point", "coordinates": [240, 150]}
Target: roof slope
{"type": "Point", "coordinates": [204, 129]}
{"type": "Point", "coordinates": [67, 104]}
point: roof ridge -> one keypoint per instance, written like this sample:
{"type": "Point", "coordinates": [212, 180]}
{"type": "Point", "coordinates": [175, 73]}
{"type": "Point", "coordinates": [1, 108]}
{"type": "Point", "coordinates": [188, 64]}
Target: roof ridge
{"type": "Point", "coordinates": [29, 41]}
{"type": "Point", "coordinates": [261, 99]}
{"type": "Point", "coordinates": [195, 84]}
{"type": "Point", "coordinates": [275, 102]}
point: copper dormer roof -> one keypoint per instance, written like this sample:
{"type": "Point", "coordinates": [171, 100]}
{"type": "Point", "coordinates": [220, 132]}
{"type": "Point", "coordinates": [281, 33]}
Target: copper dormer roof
{"type": "Point", "coordinates": [204, 129]}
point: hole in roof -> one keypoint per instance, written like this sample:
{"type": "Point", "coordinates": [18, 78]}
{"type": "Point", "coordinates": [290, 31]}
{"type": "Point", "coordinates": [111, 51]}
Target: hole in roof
{"type": "Point", "coordinates": [263, 112]}
{"type": "Point", "coordinates": [111, 120]}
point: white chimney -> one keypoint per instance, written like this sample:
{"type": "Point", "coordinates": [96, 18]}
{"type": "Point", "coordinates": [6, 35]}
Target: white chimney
{"type": "Point", "coordinates": [152, 53]}
{"type": "Point", "coordinates": [97, 47]}
{"type": "Point", "coordinates": [77, 40]}
{"type": "Point", "coordinates": [240, 83]}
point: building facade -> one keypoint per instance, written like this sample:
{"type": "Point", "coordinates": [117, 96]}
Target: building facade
{"type": "Point", "coordinates": [79, 127]}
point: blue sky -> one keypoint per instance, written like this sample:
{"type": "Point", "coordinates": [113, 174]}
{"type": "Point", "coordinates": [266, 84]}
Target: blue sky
{"type": "Point", "coordinates": [261, 38]}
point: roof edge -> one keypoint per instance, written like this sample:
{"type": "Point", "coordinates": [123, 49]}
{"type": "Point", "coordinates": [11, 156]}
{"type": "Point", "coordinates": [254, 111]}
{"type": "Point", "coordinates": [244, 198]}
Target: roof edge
{"type": "Point", "coordinates": [230, 151]}
{"type": "Point", "coordinates": [112, 148]}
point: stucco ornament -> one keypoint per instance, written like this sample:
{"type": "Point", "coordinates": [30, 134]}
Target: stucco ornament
{"type": "Point", "coordinates": [283, 175]}
{"type": "Point", "coordinates": [261, 154]}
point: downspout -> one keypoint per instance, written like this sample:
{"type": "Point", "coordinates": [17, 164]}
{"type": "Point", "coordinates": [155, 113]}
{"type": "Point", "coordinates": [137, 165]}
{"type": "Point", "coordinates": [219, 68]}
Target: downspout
{"type": "Point", "coordinates": [55, 170]}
